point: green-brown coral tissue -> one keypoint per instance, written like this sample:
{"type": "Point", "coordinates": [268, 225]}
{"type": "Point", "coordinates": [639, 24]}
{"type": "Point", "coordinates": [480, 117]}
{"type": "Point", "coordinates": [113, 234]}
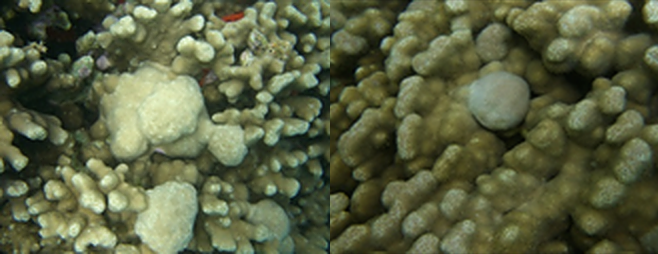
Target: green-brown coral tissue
{"type": "Point", "coordinates": [494, 126]}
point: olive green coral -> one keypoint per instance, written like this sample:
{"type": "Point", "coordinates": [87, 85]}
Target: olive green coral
{"type": "Point", "coordinates": [416, 168]}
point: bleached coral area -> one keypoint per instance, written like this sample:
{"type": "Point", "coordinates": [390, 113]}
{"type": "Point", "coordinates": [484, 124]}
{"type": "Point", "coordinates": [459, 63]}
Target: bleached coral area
{"type": "Point", "coordinates": [164, 126]}
{"type": "Point", "coordinates": [494, 126]}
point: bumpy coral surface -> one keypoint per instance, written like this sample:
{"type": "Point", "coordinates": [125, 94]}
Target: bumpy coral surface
{"type": "Point", "coordinates": [166, 226]}
{"type": "Point", "coordinates": [150, 109]}
{"type": "Point", "coordinates": [168, 126]}
{"type": "Point", "coordinates": [493, 127]}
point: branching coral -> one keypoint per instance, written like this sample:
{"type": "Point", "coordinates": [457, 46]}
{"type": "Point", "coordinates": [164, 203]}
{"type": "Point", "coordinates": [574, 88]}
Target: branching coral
{"type": "Point", "coordinates": [173, 126]}
{"type": "Point", "coordinates": [419, 167]}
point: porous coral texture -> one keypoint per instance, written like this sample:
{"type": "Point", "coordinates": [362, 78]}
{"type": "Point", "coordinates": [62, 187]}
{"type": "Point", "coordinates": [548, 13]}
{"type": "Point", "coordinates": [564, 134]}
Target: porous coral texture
{"type": "Point", "coordinates": [148, 108]}
{"type": "Point", "coordinates": [166, 226]}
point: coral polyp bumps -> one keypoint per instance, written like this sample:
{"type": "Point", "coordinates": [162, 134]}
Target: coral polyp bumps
{"type": "Point", "coordinates": [116, 148]}
{"type": "Point", "coordinates": [493, 127]}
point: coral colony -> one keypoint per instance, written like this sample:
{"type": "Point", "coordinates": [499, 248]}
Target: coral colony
{"type": "Point", "coordinates": [463, 126]}
{"type": "Point", "coordinates": [164, 126]}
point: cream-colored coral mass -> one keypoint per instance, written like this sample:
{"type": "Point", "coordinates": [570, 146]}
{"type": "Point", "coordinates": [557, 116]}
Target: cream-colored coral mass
{"type": "Point", "coordinates": [150, 107]}
{"type": "Point", "coordinates": [166, 225]}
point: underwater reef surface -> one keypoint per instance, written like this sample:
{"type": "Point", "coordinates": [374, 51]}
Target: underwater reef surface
{"type": "Point", "coordinates": [494, 126]}
{"type": "Point", "coordinates": [166, 126]}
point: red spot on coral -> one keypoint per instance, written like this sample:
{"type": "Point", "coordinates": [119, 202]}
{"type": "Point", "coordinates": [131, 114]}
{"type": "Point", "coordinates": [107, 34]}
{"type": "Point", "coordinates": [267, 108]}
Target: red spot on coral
{"type": "Point", "coordinates": [203, 79]}
{"type": "Point", "coordinates": [207, 77]}
{"type": "Point", "coordinates": [233, 17]}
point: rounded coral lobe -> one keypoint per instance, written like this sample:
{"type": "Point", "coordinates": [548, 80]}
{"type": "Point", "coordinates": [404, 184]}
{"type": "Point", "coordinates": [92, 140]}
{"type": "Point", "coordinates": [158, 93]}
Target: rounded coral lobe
{"type": "Point", "coordinates": [499, 100]}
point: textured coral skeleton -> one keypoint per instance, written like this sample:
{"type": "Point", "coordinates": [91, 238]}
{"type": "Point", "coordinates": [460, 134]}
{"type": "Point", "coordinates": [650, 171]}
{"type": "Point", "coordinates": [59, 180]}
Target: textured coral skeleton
{"type": "Point", "coordinates": [493, 126]}
{"type": "Point", "coordinates": [164, 126]}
